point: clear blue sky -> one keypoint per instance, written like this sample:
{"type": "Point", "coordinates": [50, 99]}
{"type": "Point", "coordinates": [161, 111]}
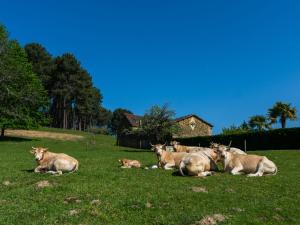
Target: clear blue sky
{"type": "Point", "coordinates": [223, 60]}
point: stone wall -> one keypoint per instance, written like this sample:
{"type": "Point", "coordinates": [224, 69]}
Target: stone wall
{"type": "Point", "coordinates": [192, 126]}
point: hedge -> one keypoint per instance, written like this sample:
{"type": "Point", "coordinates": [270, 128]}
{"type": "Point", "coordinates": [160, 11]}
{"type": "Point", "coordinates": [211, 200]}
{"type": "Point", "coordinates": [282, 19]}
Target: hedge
{"type": "Point", "coordinates": [288, 138]}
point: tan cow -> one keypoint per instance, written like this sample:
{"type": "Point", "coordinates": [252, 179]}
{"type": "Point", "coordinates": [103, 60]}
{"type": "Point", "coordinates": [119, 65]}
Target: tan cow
{"type": "Point", "coordinates": [127, 163]}
{"type": "Point", "coordinates": [201, 163]}
{"type": "Point", "coordinates": [253, 165]}
{"type": "Point", "coordinates": [54, 163]}
{"type": "Point", "coordinates": [166, 159]}
{"type": "Point", "coordinates": [182, 148]}
{"type": "Point", "coordinates": [232, 150]}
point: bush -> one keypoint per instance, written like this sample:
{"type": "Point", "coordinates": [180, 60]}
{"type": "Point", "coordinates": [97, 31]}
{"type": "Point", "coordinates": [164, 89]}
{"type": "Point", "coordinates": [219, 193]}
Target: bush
{"type": "Point", "coordinates": [262, 140]}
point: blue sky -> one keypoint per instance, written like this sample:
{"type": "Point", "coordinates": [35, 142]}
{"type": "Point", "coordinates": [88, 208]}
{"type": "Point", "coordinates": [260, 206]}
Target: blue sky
{"type": "Point", "coordinates": [223, 60]}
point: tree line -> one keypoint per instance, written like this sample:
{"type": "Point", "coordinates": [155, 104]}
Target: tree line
{"type": "Point", "coordinates": [280, 112]}
{"type": "Point", "coordinates": [37, 88]}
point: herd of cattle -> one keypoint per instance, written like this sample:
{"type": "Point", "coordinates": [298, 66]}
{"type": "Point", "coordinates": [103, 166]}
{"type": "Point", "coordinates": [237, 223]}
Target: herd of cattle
{"type": "Point", "coordinates": [201, 161]}
{"type": "Point", "coordinates": [190, 160]}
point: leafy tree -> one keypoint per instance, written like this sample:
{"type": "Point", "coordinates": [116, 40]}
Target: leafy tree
{"type": "Point", "coordinates": [23, 97]}
{"type": "Point", "coordinates": [118, 122]}
{"type": "Point", "coordinates": [243, 128]}
{"type": "Point", "coordinates": [158, 124]}
{"type": "Point", "coordinates": [259, 122]}
{"type": "Point", "coordinates": [283, 111]}
{"type": "Point", "coordinates": [42, 62]}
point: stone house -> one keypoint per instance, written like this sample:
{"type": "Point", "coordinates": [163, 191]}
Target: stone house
{"type": "Point", "coordinates": [192, 126]}
{"type": "Point", "coordinates": [189, 125]}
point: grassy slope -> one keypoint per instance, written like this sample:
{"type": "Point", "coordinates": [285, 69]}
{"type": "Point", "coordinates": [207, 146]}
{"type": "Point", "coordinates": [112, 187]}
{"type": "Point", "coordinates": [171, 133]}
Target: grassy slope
{"type": "Point", "coordinates": [124, 193]}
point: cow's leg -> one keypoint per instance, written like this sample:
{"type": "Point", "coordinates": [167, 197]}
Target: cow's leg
{"type": "Point", "coordinates": [169, 166]}
{"type": "Point", "coordinates": [205, 173]}
{"type": "Point", "coordinates": [260, 170]}
{"type": "Point", "coordinates": [236, 170]}
{"type": "Point", "coordinates": [125, 167]}
{"type": "Point", "coordinates": [39, 169]}
{"type": "Point", "coordinates": [55, 172]}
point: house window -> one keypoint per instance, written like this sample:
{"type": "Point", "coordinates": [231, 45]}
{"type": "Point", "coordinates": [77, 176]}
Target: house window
{"type": "Point", "coordinates": [192, 123]}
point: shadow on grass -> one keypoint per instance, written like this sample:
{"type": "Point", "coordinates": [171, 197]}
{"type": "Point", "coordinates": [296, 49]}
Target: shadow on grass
{"type": "Point", "coordinates": [149, 151]}
{"type": "Point", "coordinates": [15, 139]}
{"type": "Point", "coordinates": [176, 174]}
{"type": "Point", "coordinates": [28, 171]}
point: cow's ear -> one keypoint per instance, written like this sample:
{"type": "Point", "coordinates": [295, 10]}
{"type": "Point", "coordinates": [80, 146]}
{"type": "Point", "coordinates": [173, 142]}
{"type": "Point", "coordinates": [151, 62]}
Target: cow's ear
{"type": "Point", "coordinates": [32, 151]}
{"type": "Point", "coordinates": [45, 149]}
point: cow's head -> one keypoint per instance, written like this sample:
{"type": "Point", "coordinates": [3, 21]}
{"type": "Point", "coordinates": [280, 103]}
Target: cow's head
{"type": "Point", "coordinates": [38, 152]}
{"type": "Point", "coordinates": [174, 143]}
{"type": "Point", "coordinates": [222, 150]}
{"type": "Point", "coordinates": [214, 145]}
{"type": "Point", "coordinates": [158, 148]}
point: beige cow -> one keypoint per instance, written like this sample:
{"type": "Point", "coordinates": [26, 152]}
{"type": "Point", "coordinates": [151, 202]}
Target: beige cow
{"type": "Point", "coordinates": [253, 165]}
{"type": "Point", "coordinates": [127, 163]}
{"type": "Point", "coordinates": [54, 163]}
{"type": "Point", "coordinates": [183, 148]}
{"type": "Point", "coordinates": [232, 150]}
{"type": "Point", "coordinates": [166, 159]}
{"type": "Point", "coordinates": [201, 163]}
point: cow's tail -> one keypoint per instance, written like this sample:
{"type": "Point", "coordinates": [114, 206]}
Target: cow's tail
{"type": "Point", "coordinates": [181, 166]}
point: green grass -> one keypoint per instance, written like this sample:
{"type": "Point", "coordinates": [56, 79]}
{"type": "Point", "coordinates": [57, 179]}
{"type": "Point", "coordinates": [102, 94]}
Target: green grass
{"type": "Point", "coordinates": [124, 193]}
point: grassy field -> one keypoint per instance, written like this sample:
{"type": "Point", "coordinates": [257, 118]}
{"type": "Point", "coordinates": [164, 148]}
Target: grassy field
{"type": "Point", "coordinates": [102, 193]}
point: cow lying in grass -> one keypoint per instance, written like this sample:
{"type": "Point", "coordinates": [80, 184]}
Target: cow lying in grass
{"type": "Point", "coordinates": [166, 159]}
{"type": "Point", "coordinates": [253, 165]}
{"type": "Point", "coordinates": [232, 150]}
{"type": "Point", "coordinates": [54, 163]}
{"type": "Point", "coordinates": [127, 163]}
{"type": "Point", "coordinates": [200, 164]}
{"type": "Point", "coordinates": [182, 148]}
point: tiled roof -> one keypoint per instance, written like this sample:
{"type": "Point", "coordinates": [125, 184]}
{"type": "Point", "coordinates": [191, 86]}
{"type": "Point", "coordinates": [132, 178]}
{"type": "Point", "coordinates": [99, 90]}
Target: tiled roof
{"type": "Point", "coordinates": [134, 120]}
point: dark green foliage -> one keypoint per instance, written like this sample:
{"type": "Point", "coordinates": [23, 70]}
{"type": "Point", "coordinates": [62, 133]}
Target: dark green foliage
{"type": "Point", "coordinates": [283, 111]}
{"type": "Point", "coordinates": [42, 61]}
{"type": "Point", "coordinates": [243, 128]}
{"type": "Point", "coordinates": [23, 98]}
{"type": "Point", "coordinates": [118, 121]}
{"type": "Point", "coordinates": [157, 123]}
{"type": "Point", "coordinates": [259, 123]}
{"type": "Point", "coordinates": [75, 103]}
{"type": "Point", "coordinates": [273, 139]}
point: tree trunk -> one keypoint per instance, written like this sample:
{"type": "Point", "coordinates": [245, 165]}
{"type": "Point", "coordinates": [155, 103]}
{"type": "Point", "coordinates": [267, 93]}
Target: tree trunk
{"type": "Point", "coordinates": [2, 131]}
{"type": "Point", "coordinates": [64, 113]}
{"type": "Point", "coordinates": [283, 122]}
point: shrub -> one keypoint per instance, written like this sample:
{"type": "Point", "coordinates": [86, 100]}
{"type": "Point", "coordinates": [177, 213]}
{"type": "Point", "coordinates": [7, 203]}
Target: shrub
{"type": "Point", "coordinates": [261, 140]}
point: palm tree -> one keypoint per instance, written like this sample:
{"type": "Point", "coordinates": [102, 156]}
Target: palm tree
{"type": "Point", "coordinates": [259, 122]}
{"type": "Point", "coordinates": [283, 111]}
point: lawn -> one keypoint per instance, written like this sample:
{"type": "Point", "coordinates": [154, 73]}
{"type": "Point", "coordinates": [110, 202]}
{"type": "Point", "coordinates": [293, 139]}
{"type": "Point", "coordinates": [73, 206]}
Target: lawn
{"type": "Point", "coordinates": [102, 193]}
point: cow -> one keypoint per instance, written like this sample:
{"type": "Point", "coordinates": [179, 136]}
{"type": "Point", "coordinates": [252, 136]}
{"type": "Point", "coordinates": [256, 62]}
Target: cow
{"type": "Point", "coordinates": [252, 165]}
{"type": "Point", "coordinates": [200, 164]}
{"type": "Point", "coordinates": [166, 159]}
{"type": "Point", "coordinates": [127, 163]}
{"type": "Point", "coordinates": [54, 163]}
{"type": "Point", "coordinates": [232, 150]}
{"type": "Point", "coordinates": [182, 148]}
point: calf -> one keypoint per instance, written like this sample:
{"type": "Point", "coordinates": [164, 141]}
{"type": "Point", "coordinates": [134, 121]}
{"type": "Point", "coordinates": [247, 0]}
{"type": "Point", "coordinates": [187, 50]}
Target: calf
{"type": "Point", "coordinates": [127, 163]}
{"type": "Point", "coordinates": [54, 163]}
{"type": "Point", "coordinates": [167, 160]}
{"type": "Point", "coordinates": [253, 165]}
{"type": "Point", "coordinates": [199, 164]}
